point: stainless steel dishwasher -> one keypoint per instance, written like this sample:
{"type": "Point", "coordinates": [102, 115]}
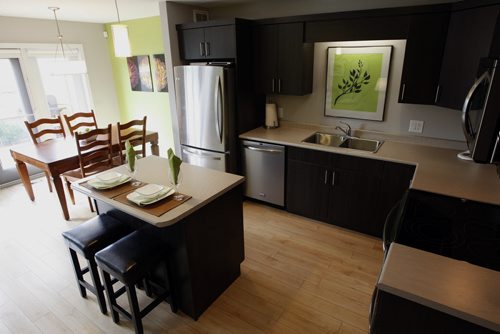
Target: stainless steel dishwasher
{"type": "Point", "coordinates": [264, 168]}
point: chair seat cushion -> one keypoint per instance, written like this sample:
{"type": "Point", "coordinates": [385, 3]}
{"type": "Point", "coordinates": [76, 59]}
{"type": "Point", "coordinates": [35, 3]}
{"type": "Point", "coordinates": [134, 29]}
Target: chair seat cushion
{"type": "Point", "coordinates": [95, 234]}
{"type": "Point", "coordinates": [130, 258]}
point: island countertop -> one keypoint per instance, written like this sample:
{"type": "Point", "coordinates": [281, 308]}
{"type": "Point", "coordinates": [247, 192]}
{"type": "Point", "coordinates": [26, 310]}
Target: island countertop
{"type": "Point", "coordinates": [438, 170]}
{"type": "Point", "coordinates": [203, 184]}
{"type": "Point", "coordinates": [458, 288]}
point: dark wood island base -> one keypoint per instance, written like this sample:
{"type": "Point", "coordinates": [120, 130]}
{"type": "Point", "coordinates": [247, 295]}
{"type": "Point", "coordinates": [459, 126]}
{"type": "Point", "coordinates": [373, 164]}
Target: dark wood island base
{"type": "Point", "coordinates": [206, 247]}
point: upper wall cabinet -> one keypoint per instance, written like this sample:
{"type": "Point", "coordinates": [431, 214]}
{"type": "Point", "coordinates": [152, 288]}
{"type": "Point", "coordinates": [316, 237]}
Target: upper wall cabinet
{"type": "Point", "coordinates": [423, 54]}
{"type": "Point", "coordinates": [282, 61]}
{"type": "Point", "coordinates": [207, 42]}
{"type": "Point", "coordinates": [470, 37]}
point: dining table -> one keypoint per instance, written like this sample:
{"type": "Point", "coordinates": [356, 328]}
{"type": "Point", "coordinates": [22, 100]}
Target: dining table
{"type": "Point", "coordinates": [57, 156]}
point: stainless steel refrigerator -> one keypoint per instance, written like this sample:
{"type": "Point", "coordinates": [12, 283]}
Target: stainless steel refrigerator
{"type": "Point", "coordinates": [205, 112]}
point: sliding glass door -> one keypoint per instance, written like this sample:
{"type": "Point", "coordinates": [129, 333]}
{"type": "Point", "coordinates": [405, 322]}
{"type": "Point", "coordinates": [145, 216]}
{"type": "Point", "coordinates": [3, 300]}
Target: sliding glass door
{"type": "Point", "coordinates": [32, 86]}
{"type": "Point", "coordinates": [15, 108]}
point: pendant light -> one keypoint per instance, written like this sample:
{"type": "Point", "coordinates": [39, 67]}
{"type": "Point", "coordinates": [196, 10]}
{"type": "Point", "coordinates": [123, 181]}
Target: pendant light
{"type": "Point", "coordinates": [64, 66]}
{"type": "Point", "coordinates": [121, 41]}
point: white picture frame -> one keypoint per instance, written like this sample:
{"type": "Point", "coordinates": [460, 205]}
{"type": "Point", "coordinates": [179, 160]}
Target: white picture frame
{"type": "Point", "coordinates": [356, 81]}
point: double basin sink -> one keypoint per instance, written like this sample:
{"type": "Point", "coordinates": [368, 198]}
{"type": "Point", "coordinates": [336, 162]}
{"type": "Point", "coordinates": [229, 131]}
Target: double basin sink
{"type": "Point", "coordinates": [343, 141]}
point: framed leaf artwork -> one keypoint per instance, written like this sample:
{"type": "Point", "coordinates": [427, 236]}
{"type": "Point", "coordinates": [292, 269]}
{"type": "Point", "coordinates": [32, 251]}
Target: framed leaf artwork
{"type": "Point", "coordinates": [356, 81]}
{"type": "Point", "coordinates": [139, 72]}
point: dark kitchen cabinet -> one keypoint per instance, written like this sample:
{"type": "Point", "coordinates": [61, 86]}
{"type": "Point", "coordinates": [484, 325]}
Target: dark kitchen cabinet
{"type": "Point", "coordinates": [337, 189]}
{"type": "Point", "coordinates": [353, 200]}
{"type": "Point", "coordinates": [423, 55]}
{"type": "Point", "coordinates": [307, 190]}
{"type": "Point", "coordinates": [470, 36]}
{"type": "Point", "coordinates": [217, 42]}
{"type": "Point", "coordinates": [351, 192]}
{"type": "Point", "coordinates": [282, 61]}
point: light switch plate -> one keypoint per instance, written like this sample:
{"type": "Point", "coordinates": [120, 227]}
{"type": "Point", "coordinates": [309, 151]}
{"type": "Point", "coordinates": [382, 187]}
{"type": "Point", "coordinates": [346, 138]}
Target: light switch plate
{"type": "Point", "coordinates": [416, 126]}
{"type": "Point", "coordinates": [280, 112]}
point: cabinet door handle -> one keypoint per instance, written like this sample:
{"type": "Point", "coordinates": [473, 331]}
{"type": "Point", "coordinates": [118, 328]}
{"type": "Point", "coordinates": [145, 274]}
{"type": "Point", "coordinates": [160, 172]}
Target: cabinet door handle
{"type": "Point", "coordinates": [207, 49]}
{"type": "Point", "coordinates": [202, 49]}
{"type": "Point", "coordinates": [333, 179]}
{"type": "Point", "coordinates": [403, 92]}
{"type": "Point", "coordinates": [272, 83]}
{"type": "Point", "coordinates": [437, 94]}
{"type": "Point", "coordinates": [326, 176]}
{"type": "Point", "coordinates": [279, 85]}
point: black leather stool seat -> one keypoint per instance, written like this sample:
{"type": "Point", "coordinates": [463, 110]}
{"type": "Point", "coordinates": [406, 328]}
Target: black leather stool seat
{"type": "Point", "coordinates": [131, 257]}
{"type": "Point", "coordinates": [87, 239]}
{"type": "Point", "coordinates": [95, 234]}
{"type": "Point", "coordinates": [131, 260]}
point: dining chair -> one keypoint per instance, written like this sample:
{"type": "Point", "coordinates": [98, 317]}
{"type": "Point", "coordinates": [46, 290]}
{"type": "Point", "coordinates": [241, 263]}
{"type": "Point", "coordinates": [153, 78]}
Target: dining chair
{"type": "Point", "coordinates": [48, 126]}
{"type": "Point", "coordinates": [80, 119]}
{"type": "Point", "coordinates": [95, 154]}
{"type": "Point", "coordinates": [135, 132]}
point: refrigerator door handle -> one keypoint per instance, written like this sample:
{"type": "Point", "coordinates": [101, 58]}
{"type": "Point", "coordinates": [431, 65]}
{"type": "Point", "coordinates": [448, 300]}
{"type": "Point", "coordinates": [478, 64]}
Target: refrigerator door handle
{"type": "Point", "coordinates": [466, 126]}
{"type": "Point", "coordinates": [219, 109]}
{"type": "Point", "coordinates": [200, 155]}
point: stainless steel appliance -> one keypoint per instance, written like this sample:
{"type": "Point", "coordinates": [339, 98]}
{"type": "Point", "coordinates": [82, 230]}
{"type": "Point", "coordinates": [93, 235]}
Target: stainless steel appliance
{"type": "Point", "coordinates": [205, 111]}
{"type": "Point", "coordinates": [264, 169]}
{"type": "Point", "coordinates": [481, 114]}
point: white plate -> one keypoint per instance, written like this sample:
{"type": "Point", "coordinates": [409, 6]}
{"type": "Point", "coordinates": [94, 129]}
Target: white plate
{"type": "Point", "coordinates": [109, 177]}
{"type": "Point", "coordinates": [149, 190]}
{"type": "Point", "coordinates": [98, 184]}
{"type": "Point", "coordinates": [141, 200]}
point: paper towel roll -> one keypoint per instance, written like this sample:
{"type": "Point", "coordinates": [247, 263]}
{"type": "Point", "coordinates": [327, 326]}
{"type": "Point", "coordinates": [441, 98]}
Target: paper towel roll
{"type": "Point", "coordinates": [271, 116]}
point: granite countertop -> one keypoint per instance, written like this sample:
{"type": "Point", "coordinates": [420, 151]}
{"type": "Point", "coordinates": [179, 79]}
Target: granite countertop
{"type": "Point", "coordinates": [438, 170]}
{"type": "Point", "coordinates": [203, 184]}
{"type": "Point", "coordinates": [454, 287]}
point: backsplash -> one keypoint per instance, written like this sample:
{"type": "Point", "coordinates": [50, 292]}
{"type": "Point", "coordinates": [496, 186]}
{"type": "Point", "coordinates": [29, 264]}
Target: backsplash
{"type": "Point", "coordinates": [439, 123]}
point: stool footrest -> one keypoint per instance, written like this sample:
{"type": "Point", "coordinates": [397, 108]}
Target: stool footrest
{"type": "Point", "coordinates": [122, 311]}
{"type": "Point", "coordinates": [154, 303]}
{"type": "Point", "coordinates": [85, 270]}
{"type": "Point", "coordinates": [120, 291]}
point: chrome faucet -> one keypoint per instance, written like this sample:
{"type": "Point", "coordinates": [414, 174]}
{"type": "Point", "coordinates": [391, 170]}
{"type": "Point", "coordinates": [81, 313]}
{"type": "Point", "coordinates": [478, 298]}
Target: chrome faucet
{"type": "Point", "coordinates": [347, 131]}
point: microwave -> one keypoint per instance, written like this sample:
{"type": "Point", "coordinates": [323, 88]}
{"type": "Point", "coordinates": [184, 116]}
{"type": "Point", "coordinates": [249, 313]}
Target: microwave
{"type": "Point", "coordinates": [481, 114]}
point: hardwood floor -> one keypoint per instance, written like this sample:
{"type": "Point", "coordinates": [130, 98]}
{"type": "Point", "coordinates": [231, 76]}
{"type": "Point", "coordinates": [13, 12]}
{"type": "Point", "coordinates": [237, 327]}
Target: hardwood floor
{"type": "Point", "coordinates": [299, 276]}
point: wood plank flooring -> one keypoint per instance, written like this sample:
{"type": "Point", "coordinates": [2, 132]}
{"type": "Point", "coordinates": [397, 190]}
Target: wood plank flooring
{"type": "Point", "coordinates": [299, 276]}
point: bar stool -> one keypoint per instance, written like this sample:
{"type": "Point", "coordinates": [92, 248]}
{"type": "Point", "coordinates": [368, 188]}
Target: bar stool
{"type": "Point", "coordinates": [87, 239]}
{"type": "Point", "coordinates": [131, 260]}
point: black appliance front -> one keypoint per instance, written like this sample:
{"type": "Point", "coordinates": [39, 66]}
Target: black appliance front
{"type": "Point", "coordinates": [460, 229]}
{"type": "Point", "coordinates": [481, 113]}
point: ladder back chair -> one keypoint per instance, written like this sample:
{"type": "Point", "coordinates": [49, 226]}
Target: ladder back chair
{"type": "Point", "coordinates": [135, 132]}
{"type": "Point", "coordinates": [80, 119]}
{"type": "Point", "coordinates": [95, 154]}
{"type": "Point", "coordinates": [49, 126]}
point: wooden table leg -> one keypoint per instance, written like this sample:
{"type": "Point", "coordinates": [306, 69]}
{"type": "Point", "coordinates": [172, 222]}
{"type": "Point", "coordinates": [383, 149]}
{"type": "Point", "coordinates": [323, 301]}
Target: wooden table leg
{"type": "Point", "coordinates": [154, 148]}
{"type": "Point", "coordinates": [25, 178]}
{"type": "Point", "coordinates": [58, 184]}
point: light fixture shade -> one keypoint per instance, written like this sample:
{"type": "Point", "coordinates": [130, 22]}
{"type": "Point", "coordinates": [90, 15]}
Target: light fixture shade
{"type": "Point", "coordinates": [120, 40]}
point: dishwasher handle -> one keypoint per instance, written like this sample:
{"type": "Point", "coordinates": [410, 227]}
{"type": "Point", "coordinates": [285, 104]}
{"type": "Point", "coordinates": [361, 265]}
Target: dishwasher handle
{"type": "Point", "coordinates": [260, 149]}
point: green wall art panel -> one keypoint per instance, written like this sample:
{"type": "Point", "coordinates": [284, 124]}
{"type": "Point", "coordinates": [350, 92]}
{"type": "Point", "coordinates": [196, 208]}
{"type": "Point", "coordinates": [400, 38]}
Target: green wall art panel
{"type": "Point", "coordinates": [357, 82]}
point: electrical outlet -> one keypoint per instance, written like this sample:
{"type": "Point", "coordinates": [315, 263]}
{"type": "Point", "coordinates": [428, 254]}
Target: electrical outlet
{"type": "Point", "coordinates": [416, 126]}
{"type": "Point", "coordinates": [280, 112]}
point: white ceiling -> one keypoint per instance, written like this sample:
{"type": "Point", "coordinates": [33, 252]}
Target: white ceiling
{"type": "Point", "coordinates": [97, 11]}
{"type": "Point", "coordinates": [103, 11]}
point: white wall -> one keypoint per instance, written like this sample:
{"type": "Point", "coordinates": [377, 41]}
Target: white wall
{"type": "Point", "coordinates": [22, 30]}
{"type": "Point", "coordinates": [439, 122]}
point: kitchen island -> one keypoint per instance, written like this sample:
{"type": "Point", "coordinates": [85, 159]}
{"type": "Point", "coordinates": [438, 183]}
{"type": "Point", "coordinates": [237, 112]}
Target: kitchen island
{"type": "Point", "coordinates": [204, 234]}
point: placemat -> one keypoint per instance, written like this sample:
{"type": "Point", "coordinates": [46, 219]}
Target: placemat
{"type": "Point", "coordinates": [127, 187]}
{"type": "Point", "coordinates": [155, 209]}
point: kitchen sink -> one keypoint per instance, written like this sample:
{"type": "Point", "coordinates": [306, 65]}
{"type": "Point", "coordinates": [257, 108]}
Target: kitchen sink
{"type": "Point", "coordinates": [362, 144]}
{"type": "Point", "coordinates": [327, 139]}
{"type": "Point", "coordinates": [343, 141]}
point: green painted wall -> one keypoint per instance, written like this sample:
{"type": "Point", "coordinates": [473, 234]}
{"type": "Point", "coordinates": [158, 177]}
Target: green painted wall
{"type": "Point", "coordinates": [145, 39]}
